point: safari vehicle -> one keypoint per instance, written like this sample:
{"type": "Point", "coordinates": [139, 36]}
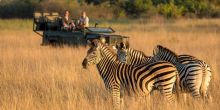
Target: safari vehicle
{"type": "Point", "coordinates": [49, 26]}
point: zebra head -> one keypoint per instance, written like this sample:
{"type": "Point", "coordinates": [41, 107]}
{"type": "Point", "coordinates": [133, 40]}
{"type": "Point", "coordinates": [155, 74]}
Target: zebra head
{"type": "Point", "coordinates": [122, 52]}
{"type": "Point", "coordinates": [93, 54]}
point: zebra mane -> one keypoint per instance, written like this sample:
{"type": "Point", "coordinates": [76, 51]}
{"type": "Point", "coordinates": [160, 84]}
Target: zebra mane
{"type": "Point", "coordinates": [142, 53]}
{"type": "Point", "coordinates": [96, 42]}
{"type": "Point", "coordinates": [106, 48]}
{"type": "Point", "coordinates": [163, 50]}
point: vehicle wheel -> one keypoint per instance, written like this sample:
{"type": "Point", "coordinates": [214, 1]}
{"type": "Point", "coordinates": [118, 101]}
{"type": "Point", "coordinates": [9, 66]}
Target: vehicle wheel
{"type": "Point", "coordinates": [56, 44]}
{"type": "Point", "coordinates": [44, 41]}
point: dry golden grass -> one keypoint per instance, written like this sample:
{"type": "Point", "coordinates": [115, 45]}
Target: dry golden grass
{"type": "Point", "coordinates": [39, 77]}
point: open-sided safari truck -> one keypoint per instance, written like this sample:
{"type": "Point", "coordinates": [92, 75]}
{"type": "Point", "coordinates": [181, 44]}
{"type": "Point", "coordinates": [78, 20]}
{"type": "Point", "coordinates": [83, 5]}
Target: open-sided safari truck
{"type": "Point", "coordinates": [49, 26]}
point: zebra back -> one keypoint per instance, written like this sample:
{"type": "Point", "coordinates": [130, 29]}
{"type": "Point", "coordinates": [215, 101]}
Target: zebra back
{"type": "Point", "coordinates": [186, 58]}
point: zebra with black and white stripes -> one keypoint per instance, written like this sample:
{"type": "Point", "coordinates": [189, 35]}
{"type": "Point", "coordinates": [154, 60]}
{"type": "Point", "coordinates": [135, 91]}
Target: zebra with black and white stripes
{"type": "Point", "coordinates": [195, 74]}
{"type": "Point", "coordinates": [136, 80]}
{"type": "Point", "coordinates": [188, 67]}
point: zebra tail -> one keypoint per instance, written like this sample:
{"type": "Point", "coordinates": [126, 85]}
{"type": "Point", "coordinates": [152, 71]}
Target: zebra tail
{"type": "Point", "coordinates": [206, 77]}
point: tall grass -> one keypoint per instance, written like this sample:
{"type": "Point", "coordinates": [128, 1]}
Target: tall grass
{"type": "Point", "coordinates": [40, 77]}
{"type": "Point", "coordinates": [16, 24]}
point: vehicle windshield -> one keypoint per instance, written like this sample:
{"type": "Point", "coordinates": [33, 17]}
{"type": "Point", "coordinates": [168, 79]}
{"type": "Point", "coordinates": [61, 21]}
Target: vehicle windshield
{"type": "Point", "coordinates": [100, 29]}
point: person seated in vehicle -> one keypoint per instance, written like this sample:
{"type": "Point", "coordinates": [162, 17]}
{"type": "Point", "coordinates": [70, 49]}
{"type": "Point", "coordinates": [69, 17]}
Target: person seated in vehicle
{"type": "Point", "coordinates": [83, 20]}
{"type": "Point", "coordinates": [67, 22]}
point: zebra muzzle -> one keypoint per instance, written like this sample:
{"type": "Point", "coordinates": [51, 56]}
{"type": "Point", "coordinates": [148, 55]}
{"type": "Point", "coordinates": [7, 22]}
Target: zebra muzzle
{"type": "Point", "coordinates": [85, 63]}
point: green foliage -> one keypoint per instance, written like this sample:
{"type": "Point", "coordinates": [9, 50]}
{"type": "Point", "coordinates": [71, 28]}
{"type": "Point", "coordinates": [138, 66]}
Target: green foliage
{"type": "Point", "coordinates": [17, 9]}
{"type": "Point", "coordinates": [135, 8]}
{"type": "Point", "coordinates": [200, 8]}
{"type": "Point", "coordinates": [114, 8]}
{"type": "Point", "coordinates": [159, 2]}
{"type": "Point", "coordinates": [170, 10]}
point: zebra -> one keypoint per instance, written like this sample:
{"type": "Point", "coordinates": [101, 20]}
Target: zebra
{"type": "Point", "coordinates": [135, 57]}
{"type": "Point", "coordinates": [136, 80]}
{"type": "Point", "coordinates": [195, 74]}
{"type": "Point", "coordinates": [131, 56]}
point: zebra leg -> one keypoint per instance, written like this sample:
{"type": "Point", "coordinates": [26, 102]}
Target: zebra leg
{"type": "Point", "coordinates": [177, 87]}
{"type": "Point", "coordinates": [194, 89]}
{"type": "Point", "coordinates": [122, 93]}
{"type": "Point", "coordinates": [194, 81]}
{"type": "Point", "coordinates": [116, 96]}
{"type": "Point", "coordinates": [148, 98]}
{"type": "Point", "coordinates": [209, 98]}
{"type": "Point", "coordinates": [122, 102]}
{"type": "Point", "coordinates": [184, 94]}
{"type": "Point", "coordinates": [167, 90]}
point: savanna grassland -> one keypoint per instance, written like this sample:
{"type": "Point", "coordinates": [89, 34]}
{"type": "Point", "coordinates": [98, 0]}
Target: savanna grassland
{"type": "Point", "coordinates": [35, 77]}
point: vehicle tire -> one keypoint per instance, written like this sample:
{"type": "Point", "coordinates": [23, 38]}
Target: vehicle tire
{"type": "Point", "coordinates": [54, 43]}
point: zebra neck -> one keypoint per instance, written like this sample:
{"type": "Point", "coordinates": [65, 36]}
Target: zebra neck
{"type": "Point", "coordinates": [107, 63]}
{"type": "Point", "coordinates": [107, 68]}
{"type": "Point", "coordinates": [106, 52]}
{"type": "Point", "coordinates": [179, 66]}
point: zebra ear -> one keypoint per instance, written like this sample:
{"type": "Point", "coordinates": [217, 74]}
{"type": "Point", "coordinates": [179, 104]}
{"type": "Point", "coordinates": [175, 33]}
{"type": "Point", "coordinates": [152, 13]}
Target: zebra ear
{"type": "Point", "coordinates": [96, 42]}
{"type": "Point", "coordinates": [117, 45]}
{"type": "Point", "coordinates": [122, 45]}
{"type": "Point", "coordinates": [127, 45]}
{"type": "Point", "coordinates": [159, 47]}
{"type": "Point", "coordinates": [89, 43]}
{"type": "Point", "coordinates": [155, 50]}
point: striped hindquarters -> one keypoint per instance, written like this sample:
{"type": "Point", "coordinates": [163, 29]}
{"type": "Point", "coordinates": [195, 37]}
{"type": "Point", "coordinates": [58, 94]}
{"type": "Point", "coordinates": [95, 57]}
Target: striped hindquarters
{"type": "Point", "coordinates": [204, 69]}
{"type": "Point", "coordinates": [193, 76]}
{"type": "Point", "coordinates": [160, 75]}
{"type": "Point", "coordinates": [163, 74]}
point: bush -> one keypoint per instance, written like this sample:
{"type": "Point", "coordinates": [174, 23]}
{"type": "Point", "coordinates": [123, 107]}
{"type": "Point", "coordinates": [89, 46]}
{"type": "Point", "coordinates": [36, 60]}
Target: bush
{"type": "Point", "coordinates": [199, 8]}
{"type": "Point", "coordinates": [17, 9]}
{"type": "Point", "coordinates": [134, 8]}
{"type": "Point", "coordinates": [51, 7]}
{"type": "Point", "coordinates": [114, 8]}
{"type": "Point", "coordinates": [170, 10]}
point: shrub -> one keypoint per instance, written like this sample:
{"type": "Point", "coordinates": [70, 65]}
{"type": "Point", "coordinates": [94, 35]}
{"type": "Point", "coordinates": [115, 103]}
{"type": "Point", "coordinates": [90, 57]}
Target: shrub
{"type": "Point", "coordinates": [17, 9]}
{"type": "Point", "coordinates": [170, 10]}
{"type": "Point", "coordinates": [134, 8]}
{"type": "Point", "coordinates": [114, 8]}
{"type": "Point", "coordinates": [199, 8]}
